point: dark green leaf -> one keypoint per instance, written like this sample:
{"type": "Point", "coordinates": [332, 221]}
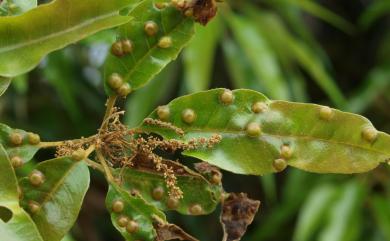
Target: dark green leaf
{"type": "Point", "coordinates": [151, 186]}
{"type": "Point", "coordinates": [69, 22]}
{"type": "Point", "coordinates": [59, 196]}
{"type": "Point", "coordinates": [307, 136]}
{"type": "Point", "coordinates": [134, 209]}
{"type": "Point", "coordinates": [147, 57]}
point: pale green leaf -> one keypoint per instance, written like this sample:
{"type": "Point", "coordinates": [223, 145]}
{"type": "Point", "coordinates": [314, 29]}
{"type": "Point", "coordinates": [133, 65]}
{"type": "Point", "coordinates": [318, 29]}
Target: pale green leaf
{"type": "Point", "coordinates": [26, 38]}
{"type": "Point", "coordinates": [20, 227]}
{"type": "Point", "coordinates": [318, 138]}
{"type": "Point", "coordinates": [4, 83]}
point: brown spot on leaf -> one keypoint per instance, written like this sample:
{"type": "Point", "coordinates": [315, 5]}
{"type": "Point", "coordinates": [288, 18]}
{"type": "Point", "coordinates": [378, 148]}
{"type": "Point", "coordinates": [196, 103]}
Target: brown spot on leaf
{"type": "Point", "coordinates": [212, 173]}
{"type": "Point", "coordinates": [238, 212]}
{"type": "Point", "coordinates": [167, 231]}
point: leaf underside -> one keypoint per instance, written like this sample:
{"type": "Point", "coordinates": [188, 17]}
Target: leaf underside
{"type": "Point", "coordinates": [334, 144]}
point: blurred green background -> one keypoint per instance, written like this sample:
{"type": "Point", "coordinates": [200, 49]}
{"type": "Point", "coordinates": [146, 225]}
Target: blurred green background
{"type": "Point", "coordinates": [335, 53]}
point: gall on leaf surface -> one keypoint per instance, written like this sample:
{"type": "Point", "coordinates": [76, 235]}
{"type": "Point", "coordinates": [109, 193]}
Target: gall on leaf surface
{"type": "Point", "coordinates": [27, 38]}
{"type": "Point", "coordinates": [197, 190]}
{"type": "Point", "coordinates": [19, 226]}
{"type": "Point", "coordinates": [150, 51]}
{"type": "Point", "coordinates": [57, 195]}
{"type": "Point", "coordinates": [306, 136]}
{"type": "Point", "coordinates": [19, 143]}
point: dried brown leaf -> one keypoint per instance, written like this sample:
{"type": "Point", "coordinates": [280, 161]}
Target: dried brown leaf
{"type": "Point", "coordinates": [167, 231]}
{"type": "Point", "coordinates": [238, 212]}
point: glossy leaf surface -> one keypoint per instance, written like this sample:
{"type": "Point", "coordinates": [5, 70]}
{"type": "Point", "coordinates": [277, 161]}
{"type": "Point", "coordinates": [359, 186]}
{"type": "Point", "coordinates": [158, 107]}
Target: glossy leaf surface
{"type": "Point", "coordinates": [196, 189]}
{"type": "Point", "coordinates": [147, 58]}
{"type": "Point", "coordinates": [20, 227]}
{"type": "Point", "coordinates": [135, 209]}
{"type": "Point", "coordinates": [65, 183]}
{"type": "Point", "coordinates": [25, 150]}
{"type": "Point", "coordinates": [318, 139]}
{"type": "Point", "coordinates": [22, 47]}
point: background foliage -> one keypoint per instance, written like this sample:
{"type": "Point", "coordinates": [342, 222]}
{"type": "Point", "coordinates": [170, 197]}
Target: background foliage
{"type": "Point", "coordinates": [327, 52]}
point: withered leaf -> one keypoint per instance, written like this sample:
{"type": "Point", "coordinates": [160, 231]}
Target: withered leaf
{"type": "Point", "coordinates": [238, 212]}
{"type": "Point", "coordinates": [167, 231]}
{"type": "Point", "coordinates": [201, 10]}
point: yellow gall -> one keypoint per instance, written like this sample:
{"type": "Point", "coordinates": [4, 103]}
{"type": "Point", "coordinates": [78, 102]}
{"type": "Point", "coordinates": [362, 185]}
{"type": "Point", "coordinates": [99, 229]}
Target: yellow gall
{"type": "Point", "coordinates": [286, 152]}
{"type": "Point", "coordinates": [79, 155]}
{"type": "Point", "coordinates": [34, 207]}
{"type": "Point", "coordinates": [116, 49]}
{"type": "Point", "coordinates": [172, 203]}
{"type": "Point", "coordinates": [227, 97]}
{"type": "Point", "coordinates": [196, 209]}
{"type": "Point", "coordinates": [132, 226]}
{"type": "Point", "coordinates": [188, 116]}
{"type": "Point", "coordinates": [189, 12]}
{"type": "Point", "coordinates": [158, 193]}
{"type": "Point", "coordinates": [127, 46]}
{"type": "Point", "coordinates": [163, 112]}
{"type": "Point", "coordinates": [115, 81]}
{"type": "Point", "coordinates": [165, 42]}
{"type": "Point", "coordinates": [16, 162]}
{"type": "Point", "coordinates": [216, 178]}
{"type": "Point", "coordinates": [326, 113]}
{"type": "Point", "coordinates": [253, 129]}
{"type": "Point", "coordinates": [36, 178]}
{"type": "Point", "coordinates": [259, 107]}
{"type": "Point", "coordinates": [122, 221]}
{"type": "Point", "coordinates": [370, 134]}
{"type": "Point", "coordinates": [124, 90]}
{"type": "Point", "coordinates": [16, 139]}
{"type": "Point", "coordinates": [279, 164]}
{"type": "Point", "coordinates": [160, 5]}
{"type": "Point", "coordinates": [33, 139]}
{"type": "Point", "coordinates": [117, 206]}
{"type": "Point", "coordinates": [151, 28]}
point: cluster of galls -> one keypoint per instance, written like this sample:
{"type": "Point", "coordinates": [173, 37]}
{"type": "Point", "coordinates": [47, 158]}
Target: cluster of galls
{"type": "Point", "coordinates": [124, 221]}
{"type": "Point", "coordinates": [17, 139]}
{"type": "Point", "coordinates": [201, 10]}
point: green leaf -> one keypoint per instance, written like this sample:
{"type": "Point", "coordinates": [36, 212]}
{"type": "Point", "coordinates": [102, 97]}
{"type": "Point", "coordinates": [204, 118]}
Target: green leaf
{"type": "Point", "coordinates": [343, 215]}
{"type": "Point", "coordinates": [199, 56]}
{"type": "Point", "coordinates": [312, 214]}
{"type": "Point", "coordinates": [65, 183]}
{"type": "Point", "coordinates": [135, 209]}
{"type": "Point", "coordinates": [374, 11]}
{"type": "Point", "coordinates": [325, 14]}
{"type": "Point", "coordinates": [25, 150]}
{"type": "Point", "coordinates": [70, 21]}
{"type": "Point", "coordinates": [147, 57]}
{"type": "Point", "coordinates": [381, 211]}
{"type": "Point", "coordinates": [146, 99]}
{"type": "Point", "coordinates": [291, 50]}
{"type": "Point", "coordinates": [260, 55]}
{"type": "Point", "coordinates": [20, 227]}
{"type": "Point", "coordinates": [151, 186]}
{"type": "Point", "coordinates": [4, 83]}
{"type": "Point", "coordinates": [16, 7]}
{"type": "Point", "coordinates": [313, 137]}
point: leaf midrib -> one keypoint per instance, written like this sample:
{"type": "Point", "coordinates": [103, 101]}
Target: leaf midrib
{"type": "Point", "coordinates": [50, 194]}
{"type": "Point", "coordinates": [205, 130]}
